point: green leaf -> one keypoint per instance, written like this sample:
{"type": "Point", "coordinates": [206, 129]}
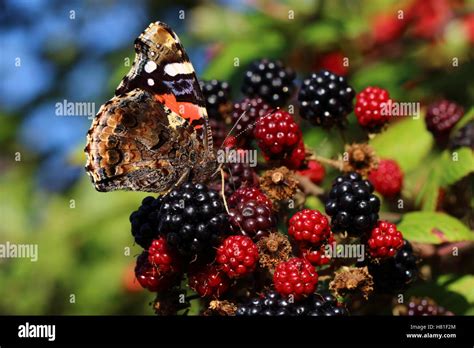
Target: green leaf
{"type": "Point", "coordinates": [433, 228]}
{"type": "Point", "coordinates": [408, 142]}
{"type": "Point", "coordinates": [314, 203]}
{"type": "Point", "coordinates": [455, 165]}
{"type": "Point", "coordinates": [222, 66]}
{"type": "Point", "coordinates": [462, 285]}
{"type": "Point", "coordinates": [320, 34]}
{"type": "Point", "coordinates": [468, 116]}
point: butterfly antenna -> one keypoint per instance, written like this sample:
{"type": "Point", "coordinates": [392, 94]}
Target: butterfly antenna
{"type": "Point", "coordinates": [233, 127]}
{"type": "Point", "coordinates": [223, 189]}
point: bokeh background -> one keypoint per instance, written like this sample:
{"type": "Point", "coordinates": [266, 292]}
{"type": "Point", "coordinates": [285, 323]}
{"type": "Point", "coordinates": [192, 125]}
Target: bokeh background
{"type": "Point", "coordinates": [77, 51]}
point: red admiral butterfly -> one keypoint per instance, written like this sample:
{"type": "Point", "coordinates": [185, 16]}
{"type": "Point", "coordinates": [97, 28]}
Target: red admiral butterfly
{"type": "Point", "coordinates": [154, 133]}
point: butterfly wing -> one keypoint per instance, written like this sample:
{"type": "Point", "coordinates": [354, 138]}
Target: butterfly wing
{"type": "Point", "coordinates": [162, 67]}
{"type": "Point", "coordinates": [155, 130]}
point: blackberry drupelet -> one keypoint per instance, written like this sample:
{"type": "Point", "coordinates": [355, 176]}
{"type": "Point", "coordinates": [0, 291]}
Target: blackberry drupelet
{"type": "Point", "coordinates": [351, 205]}
{"type": "Point", "coordinates": [251, 109]}
{"type": "Point", "coordinates": [273, 304]}
{"type": "Point", "coordinates": [245, 194]}
{"type": "Point", "coordinates": [269, 80]}
{"type": "Point", "coordinates": [217, 96]}
{"type": "Point", "coordinates": [193, 219]}
{"type": "Point", "coordinates": [396, 273]}
{"type": "Point", "coordinates": [464, 137]}
{"type": "Point", "coordinates": [241, 175]}
{"type": "Point", "coordinates": [277, 134]}
{"type": "Point", "coordinates": [153, 278]}
{"type": "Point", "coordinates": [325, 99]}
{"type": "Point", "coordinates": [252, 218]}
{"type": "Point", "coordinates": [144, 221]}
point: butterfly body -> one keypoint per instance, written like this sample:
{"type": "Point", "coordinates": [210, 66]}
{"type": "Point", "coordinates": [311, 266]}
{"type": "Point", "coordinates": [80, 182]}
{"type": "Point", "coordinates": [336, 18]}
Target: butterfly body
{"type": "Point", "coordinates": [154, 133]}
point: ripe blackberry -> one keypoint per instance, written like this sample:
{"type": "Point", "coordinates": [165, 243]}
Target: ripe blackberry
{"type": "Point", "coordinates": [296, 277]}
{"type": "Point", "coordinates": [370, 108]}
{"type": "Point", "coordinates": [426, 306]}
{"type": "Point", "coordinates": [253, 219]}
{"type": "Point", "coordinates": [396, 273]}
{"type": "Point", "coordinates": [217, 96]}
{"type": "Point", "coordinates": [309, 227]}
{"type": "Point", "coordinates": [208, 281]}
{"type": "Point", "coordinates": [269, 80]}
{"type": "Point", "coordinates": [237, 256]}
{"type": "Point", "coordinates": [273, 304]}
{"type": "Point", "coordinates": [351, 205]}
{"type": "Point", "coordinates": [193, 219]}
{"type": "Point", "coordinates": [387, 178]}
{"type": "Point", "coordinates": [251, 109]}
{"type": "Point", "coordinates": [151, 277]}
{"type": "Point", "coordinates": [464, 137]}
{"type": "Point", "coordinates": [159, 255]}
{"type": "Point", "coordinates": [325, 99]}
{"type": "Point", "coordinates": [314, 171]}
{"type": "Point", "coordinates": [245, 194]}
{"type": "Point", "coordinates": [384, 240]}
{"type": "Point", "coordinates": [277, 134]}
{"type": "Point", "coordinates": [297, 158]}
{"type": "Point", "coordinates": [144, 221]}
{"type": "Point", "coordinates": [441, 117]}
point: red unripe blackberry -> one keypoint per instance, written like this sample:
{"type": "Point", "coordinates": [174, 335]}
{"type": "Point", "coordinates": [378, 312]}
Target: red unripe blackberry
{"type": "Point", "coordinates": [315, 172]}
{"type": "Point", "coordinates": [217, 96]}
{"type": "Point", "coordinates": [269, 80]}
{"type": "Point", "coordinates": [387, 27]}
{"type": "Point", "coordinates": [387, 178]}
{"type": "Point", "coordinates": [245, 194]}
{"type": "Point", "coordinates": [160, 256]}
{"type": "Point", "coordinates": [334, 62]}
{"type": "Point", "coordinates": [309, 227]}
{"type": "Point", "coordinates": [317, 255]}
{"type": "Point", "coordinates": [237, 256]}
{"type": "Point", "coordinates": [252, 219]}
{"type": "Point", "coordinates": [372, 108]}
{"type": "Point", "coordinates": [297, 158]}
{"type": "Point", "coordinates": [277, 134]}
{"type": "Point", "coordinates": [247, 112]}
{"type": "Point", "coordinates": [295, 277]}
{"type": "Point", "coordinates": [151, 277]}
{"type": "Point", "coordinates": [441, 117]}
{"type": "Point", "coordinates": [208, 281]}
{"type": "Point", "coordinates": [384, 240]}
{"type": "Point", "coordinates": [325, 99]}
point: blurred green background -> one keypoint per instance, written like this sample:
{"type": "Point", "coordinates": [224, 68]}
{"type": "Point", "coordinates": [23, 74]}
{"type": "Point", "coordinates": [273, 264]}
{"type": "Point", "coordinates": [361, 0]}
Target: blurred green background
{"type": "Point", "coordinates": [77, 51]}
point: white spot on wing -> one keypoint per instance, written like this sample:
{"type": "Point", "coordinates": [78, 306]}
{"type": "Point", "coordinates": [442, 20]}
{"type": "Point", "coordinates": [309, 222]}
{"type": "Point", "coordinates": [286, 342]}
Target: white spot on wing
{"type": "Point", "coordinates": [150, 82]}
{"type": "Point", "coordinates": [174, 69]}
{"type": "Point", "coordinates": [150, 66]}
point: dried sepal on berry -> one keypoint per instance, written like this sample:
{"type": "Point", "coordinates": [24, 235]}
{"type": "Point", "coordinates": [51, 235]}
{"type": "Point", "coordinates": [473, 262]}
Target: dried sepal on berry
{"type": "Point", "coordinates": [353, 281]}
{"type": "Point", "coordinates": [279, 184]}
{"type": "Point", "coordinates": [360, 158]}
{"type": "Point", "coordinates": [273, 249]}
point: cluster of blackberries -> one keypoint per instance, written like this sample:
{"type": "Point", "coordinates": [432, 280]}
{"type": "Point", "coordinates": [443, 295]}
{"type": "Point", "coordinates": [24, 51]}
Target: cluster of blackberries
{"type": "Point", "coordinates": [273, 304]}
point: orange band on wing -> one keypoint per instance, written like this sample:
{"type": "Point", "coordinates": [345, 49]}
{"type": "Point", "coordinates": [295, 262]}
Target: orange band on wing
{"type": "Point", "coordinates": [188, 111]}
